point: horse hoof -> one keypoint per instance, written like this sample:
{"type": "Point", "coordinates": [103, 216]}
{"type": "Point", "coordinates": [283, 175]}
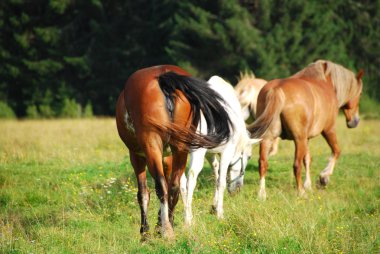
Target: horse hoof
{"type": "Point", "coordinates": [220, 216]}
{"type": "Point", "coordinates": [168, 233]}
{"type": "Point", "coordinates": [188, 221]}
{"type": "Point", "coordinates": [262, 196]}
{"type": "Point", "coordinates": [213, 209]}
{"type": "Point", "coordinates": [302, 194]}
{"type": "Point", "coordinates": [157, 229]}
{"type": "Point", "coordinates": [145, 237]}
{"type": "Point", "coordinates": [323, 181]}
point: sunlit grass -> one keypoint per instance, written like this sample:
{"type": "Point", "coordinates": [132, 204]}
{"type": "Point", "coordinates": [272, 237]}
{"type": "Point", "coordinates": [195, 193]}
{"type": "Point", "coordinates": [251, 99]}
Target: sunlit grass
{"type": "Point", "coordinates": [66, 186]}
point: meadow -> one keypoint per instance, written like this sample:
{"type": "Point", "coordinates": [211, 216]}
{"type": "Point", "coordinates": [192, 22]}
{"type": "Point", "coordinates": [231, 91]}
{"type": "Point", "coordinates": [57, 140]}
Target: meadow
{"type": "Point", "coordinates": [67, 186]}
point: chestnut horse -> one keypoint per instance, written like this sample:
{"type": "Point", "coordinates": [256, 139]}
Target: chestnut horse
{"type": "Point", "coordinates": [247, 91]}
{"type": "Point", "coordinates": [156, 115]}
{"type": "Point", "coordinates": [303, 106]}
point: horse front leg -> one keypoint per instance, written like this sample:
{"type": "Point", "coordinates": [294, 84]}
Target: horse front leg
{"type": "Point", "coordinates": [307, 164]}
{"type": "Point", "coordinates": [330, 137]}
{"type": "Point", "coordinates": [179, 166]}
{"type": "Point", "coordinates": [300, 154]}
{"type": "Point", "coordinates": [139, 164]}
{"type": "Point", "coordinates": [214, 162]}
{"type": "Point", "coordinates": [195, 167]}
{"type": "Point", "coordinates": [225, 160]}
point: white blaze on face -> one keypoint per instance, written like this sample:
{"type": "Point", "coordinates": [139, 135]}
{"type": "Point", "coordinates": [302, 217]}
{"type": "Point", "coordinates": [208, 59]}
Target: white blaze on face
{"type": "Point", "coordinates": [128, 123]}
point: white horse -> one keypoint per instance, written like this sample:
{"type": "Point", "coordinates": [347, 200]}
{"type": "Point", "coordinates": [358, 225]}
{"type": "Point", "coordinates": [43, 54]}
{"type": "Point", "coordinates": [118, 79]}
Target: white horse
{"type": "Point", "coordinates": [234, 154]}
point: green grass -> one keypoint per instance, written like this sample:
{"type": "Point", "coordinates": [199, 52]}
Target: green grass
{"type": "Point", "coordinates": [66, 186]}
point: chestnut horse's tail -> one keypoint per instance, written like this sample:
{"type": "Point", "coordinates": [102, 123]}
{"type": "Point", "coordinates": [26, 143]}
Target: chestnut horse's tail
{"type": "Point", "coordinates": [201, 98]}
{"type": "Point", "coordinates": [274, 103]}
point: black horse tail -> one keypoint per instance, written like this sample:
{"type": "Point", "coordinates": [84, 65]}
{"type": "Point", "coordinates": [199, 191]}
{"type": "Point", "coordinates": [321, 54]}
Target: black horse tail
{"type": "Point", "coordinates": [203, 99]}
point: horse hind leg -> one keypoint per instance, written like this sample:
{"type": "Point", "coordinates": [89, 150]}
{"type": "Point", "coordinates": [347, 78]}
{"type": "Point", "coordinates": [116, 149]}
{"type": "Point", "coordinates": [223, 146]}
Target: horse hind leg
{"type": "Point", "coordinates": [155, 166]}
{"type": "Point", "coordinates": [179, 166]}
{"type": "Point", "coordinates": [183, 188]}
{"type": "Point", "coordinates": [214, 162]}
{"type": "Point", "coordinates": [265, 146]}
{"type": "Point", "coordinates": [139, 164]}
{"type": "Point", "coordinates": [225, 159]}
{"type": "Point", "coordinates": [195, 167]}
{"type": "Point", "coordinates": [330, 137]}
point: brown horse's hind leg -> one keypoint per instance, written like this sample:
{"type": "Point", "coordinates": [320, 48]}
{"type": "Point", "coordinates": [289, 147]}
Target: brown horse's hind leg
{"type": "Point", "coordinates": [153, 154]}
{"type": "Point", "coordinates": [330, 137]}
{"type": "Point", "coordinates": [179, 165]}
{"type": "Point", "coordinates": [139, 164]}
{"type": "Point", "coordinates": [300, 154]}
{"type": "Point", "coordinates": [265, 146]}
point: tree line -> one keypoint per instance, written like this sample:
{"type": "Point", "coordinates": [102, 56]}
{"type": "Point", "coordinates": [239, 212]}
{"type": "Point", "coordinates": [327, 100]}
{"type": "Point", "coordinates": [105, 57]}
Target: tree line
{"type": "Point", "coordinates": [60, 56]}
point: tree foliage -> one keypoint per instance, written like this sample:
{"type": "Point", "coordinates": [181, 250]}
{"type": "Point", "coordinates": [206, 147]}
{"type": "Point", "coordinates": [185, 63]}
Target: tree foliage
{"type": "Point", "coordinates": [52, 51]}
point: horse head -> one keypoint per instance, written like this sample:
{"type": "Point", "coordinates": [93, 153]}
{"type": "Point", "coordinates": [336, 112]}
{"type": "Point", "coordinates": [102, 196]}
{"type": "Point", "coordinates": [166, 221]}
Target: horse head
{"type": "Point", "coordinates": [238, 166]}
{"type": "Point", "coordinates": [351, 108]}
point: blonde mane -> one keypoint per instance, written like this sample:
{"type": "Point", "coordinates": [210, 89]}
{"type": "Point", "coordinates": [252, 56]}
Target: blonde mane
{"type": "Point", "coordinates": [345, 82]}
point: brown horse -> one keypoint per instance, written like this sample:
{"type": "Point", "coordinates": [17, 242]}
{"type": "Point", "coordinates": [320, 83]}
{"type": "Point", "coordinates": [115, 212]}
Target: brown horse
{"type": "Point", "coordinates": [303, 106]}
{"type": "Point", "coordinates": [156, 115]}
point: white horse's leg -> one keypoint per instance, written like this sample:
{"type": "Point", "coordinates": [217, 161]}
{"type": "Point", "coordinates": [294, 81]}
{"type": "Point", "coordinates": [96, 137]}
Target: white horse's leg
{"type": "Point", "coordinates": [195, 167]}
{"type": "Point", "coordinates": [225, 159]}
{"type": "Point", "coordinates": [214, 162]}
{"type": "Point", "coordinates": [183, 188]}
{"type": "Point", "coordinates": [307, 162]}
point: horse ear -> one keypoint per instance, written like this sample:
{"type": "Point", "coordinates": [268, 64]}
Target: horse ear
{"type": "Point", "coordinates": [360, 74]}
{"type": "Point", "coordinates": [254, 140]}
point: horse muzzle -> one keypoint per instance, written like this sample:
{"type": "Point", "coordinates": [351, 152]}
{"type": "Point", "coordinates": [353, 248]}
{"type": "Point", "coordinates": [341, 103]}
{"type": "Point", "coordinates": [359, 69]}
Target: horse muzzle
{"type": "Point", "coordinates": [353, 123]}
{"type": "Point", "coordinates": [234, 188]}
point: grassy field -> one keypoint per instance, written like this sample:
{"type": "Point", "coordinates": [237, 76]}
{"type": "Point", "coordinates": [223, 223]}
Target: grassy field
{"type": "Point", "coordinates": [66, 186]}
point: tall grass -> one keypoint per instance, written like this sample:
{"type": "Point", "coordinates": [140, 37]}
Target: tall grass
{"type": "Point", "coordinates": [66, 186]}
